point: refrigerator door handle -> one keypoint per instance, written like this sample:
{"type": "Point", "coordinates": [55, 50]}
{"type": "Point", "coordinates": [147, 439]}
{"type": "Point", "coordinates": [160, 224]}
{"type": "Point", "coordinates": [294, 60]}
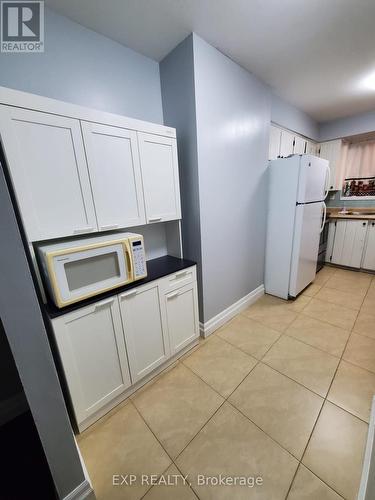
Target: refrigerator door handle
{"type": "Point", "coordinates": [324, 216]}
{"type": "Point", "coordinates": [328, 177]}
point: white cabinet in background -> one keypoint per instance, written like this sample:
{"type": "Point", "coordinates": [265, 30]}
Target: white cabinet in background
{"type": "Point", "coordinates": [159, 166]}
{"type": "Point", "coordinates": [331, 151]}
{"type": "Point", "coordinates": [330, 241]}
{"type": "Point", "coordinates": [286, 143]}
{"type": "Point", "coordinates": [368, 261]}
{"type": "Point", "coordinates": [312, 148]}
{"type": "Point", "coordinates": [93, 355]}
{"type": "Point", "coordinates": [181, 316]}
{"type": "Point", "coordinates": [146, 340]}
{"type": "Point", "coordinates": [274, 146]}
{"type": "Point", "coordinates": [115, 174]}
{"type": "Point", "coordinates": [299, 145]}
{"type": "Point", "coordinates": [48, 168]}
{"type": "Point", "coordinates": [349, 242]}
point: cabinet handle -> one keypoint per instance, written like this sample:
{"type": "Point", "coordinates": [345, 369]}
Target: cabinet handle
{"type": "Point", "coordinates": [364, 223]}
{"type": "Point", "coordinates": [109, 226]}
{"type": "Point", "coordinates": [103, 304]}
{"type": "Point", "coordinates": [180, 274]}
{"type": "Point", "coordinates": [154, 219]}
{"type": "Point", "coordinates": [83, 230]}
{"type": "Point", "coordinates": [128, 294]}
{"type": "Point", "coordinates": [173, 295]}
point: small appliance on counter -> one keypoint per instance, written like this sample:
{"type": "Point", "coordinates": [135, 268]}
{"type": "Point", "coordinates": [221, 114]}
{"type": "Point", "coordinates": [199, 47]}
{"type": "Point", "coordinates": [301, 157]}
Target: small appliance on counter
{"type": "Point", "coordinates": [78, 269]}
{"type": "Point", "coordinates": [298, 186]}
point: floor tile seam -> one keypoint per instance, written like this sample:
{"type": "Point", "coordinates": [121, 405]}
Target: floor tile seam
{"type": "Point", "coordinates": [347, 411]}
{"type": "Point", "coordinates": [152, 486]}
{"type": "Point", "coordinates": [357, 365]}
{"type": "Point", "coordinates": [190, 484]}
{"type": "Point", "coordinates": [292, 379]}
{"type": "Point", "coordinates": [217, 392]}
{"type": "Point", "coordinates": [264, 432]}
{"type": "Point", "coordinates": [313, 346]}
{"type": "Point", "coordinates": [323, 481]}
{"type": "Point", "coordinates": [325, 400]}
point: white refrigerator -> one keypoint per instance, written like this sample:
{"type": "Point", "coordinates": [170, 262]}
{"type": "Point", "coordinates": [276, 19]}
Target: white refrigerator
{"type": "Point", "coordinates": [298, 186]}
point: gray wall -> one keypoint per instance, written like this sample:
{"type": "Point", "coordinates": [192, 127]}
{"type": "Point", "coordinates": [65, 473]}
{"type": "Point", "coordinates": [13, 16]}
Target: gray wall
{"type": "Point", "coordinates": [23, 325]}
{"type": "Point", "coordinates": [178, 95]}
{"type": "Point", "coordinates": [233, 116]}
{"type": "Point", "coordinates": [288, 116]}
{"type": "Point", "coordinates": [223, 142]}
{"type": "Point", "coordinates": [83, 67]}
{"type": "Point", "coordinates": [351, 125]}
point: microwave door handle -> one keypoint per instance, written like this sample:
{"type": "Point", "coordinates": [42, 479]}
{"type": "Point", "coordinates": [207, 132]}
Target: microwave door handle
{"type": "Point", "coordinates": [129, 262]}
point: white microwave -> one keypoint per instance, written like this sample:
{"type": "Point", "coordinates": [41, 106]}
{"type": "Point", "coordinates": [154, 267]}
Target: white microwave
{"type": "Point", "coordinates": [79, 269]}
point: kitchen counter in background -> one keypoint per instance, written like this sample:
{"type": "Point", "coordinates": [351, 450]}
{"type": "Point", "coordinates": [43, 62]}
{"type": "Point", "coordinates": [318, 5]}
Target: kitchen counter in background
{"type": "Point", "coordinates": [362, 213]}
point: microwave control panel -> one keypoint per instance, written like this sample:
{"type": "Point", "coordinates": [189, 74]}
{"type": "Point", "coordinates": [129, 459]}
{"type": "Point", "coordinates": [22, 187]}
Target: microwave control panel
{"type": "Point", "coordinates": [139, 259]}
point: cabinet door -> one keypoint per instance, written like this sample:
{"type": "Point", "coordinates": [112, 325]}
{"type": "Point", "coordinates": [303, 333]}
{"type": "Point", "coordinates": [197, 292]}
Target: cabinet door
{"type": "Point", "coordinates": [274, 146]}
{"type": "Point", "coordinates": [331, 151]}
{"type": "Point", "coordinates": [181, 316]}
{"type": "Point", "coordinates": [349, 242]}
{"type": "Point", "coordinates": [299, 145]}
{"type": "Point", "coordinates": [146, 340]}
{"type": "Point", "coordinates": [369, 252]}
{"type": "Point", "coordinates": [312, 148]}
{"type": "Point", "coordinates": [93, 355]}
{"type": "Point", "coordinates": [115, 175]}
{"type": "Point", "coordinates": [48, 168]}
{"type": "Point", "coordinates": [159, 166]}
{"type": "Point", "coordinates": [286, 143]}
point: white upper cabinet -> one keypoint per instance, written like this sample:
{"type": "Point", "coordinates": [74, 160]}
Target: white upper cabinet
{"type": "Point", "coordinates": [286, 143]}
{"type": "Point", "coordinates": [93, 354]}
{"type": "Point", "coordinates": [48, 168]}
{"type": "Point", "coordinates": [146, 339]}
{"type": "Point", "coordinates": [113, 161]}
{"type": "Point", "coordinates": [369, 253]}
{"type": "Point", "coordinates": [274, 146]}
{"type": "Point", "coordinates": [331, 151]}
{"type": "Point", "coordinates": [312, 148]}
{"type": "Point", "coordinates": [159, 166]}
{"type": "Point", "coordinates": [299, 145]}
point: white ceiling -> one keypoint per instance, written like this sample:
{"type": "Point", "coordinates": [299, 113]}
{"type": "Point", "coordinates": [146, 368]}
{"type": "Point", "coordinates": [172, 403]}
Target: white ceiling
{"type": "Point", "coordinates": [313, 53]}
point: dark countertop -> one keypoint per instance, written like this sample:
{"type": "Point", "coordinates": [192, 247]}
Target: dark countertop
{"type": "Point", "coordinates": [156, 269]}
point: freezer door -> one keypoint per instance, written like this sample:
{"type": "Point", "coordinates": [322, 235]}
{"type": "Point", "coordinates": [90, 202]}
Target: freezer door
{"type": "Point", "coordinates": [313, 178]}
{"type": "Point", "coordinates": [305, 246]}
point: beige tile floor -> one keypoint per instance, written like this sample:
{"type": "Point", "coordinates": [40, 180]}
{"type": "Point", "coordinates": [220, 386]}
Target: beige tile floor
{"type": "Point", "coordinates": [282, 392]}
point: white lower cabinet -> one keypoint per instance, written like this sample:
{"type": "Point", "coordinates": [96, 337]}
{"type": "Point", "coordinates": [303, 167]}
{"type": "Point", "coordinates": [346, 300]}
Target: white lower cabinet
{"type": "Point", "coordinates": [106, 347]}
{"type": "Point", "coordinates": [146, 340]}
{"type": "Point", "coordinates": [368, 261]}
{"type": "Point", "coordinates": [181, 316]}
{"type": "Point", "coordinates": [349, 243]}
{"type": "Point", "coordinates": [93, 354]}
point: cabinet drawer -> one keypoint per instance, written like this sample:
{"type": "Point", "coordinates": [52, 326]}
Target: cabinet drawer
{"type": "Point", "coordinates": [178, 279]}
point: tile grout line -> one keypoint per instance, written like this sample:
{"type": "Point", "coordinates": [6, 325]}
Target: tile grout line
{"type": "Point", "coordinates": [226, 399]}
{"type": "Point", "coordinates": [325, 400]}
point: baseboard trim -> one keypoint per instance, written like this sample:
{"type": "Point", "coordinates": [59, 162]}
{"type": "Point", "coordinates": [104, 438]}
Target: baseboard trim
{"type": "Point", "coordinates": [82, 492]}
{"type": "Point", "coordinates": [224, 316]}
